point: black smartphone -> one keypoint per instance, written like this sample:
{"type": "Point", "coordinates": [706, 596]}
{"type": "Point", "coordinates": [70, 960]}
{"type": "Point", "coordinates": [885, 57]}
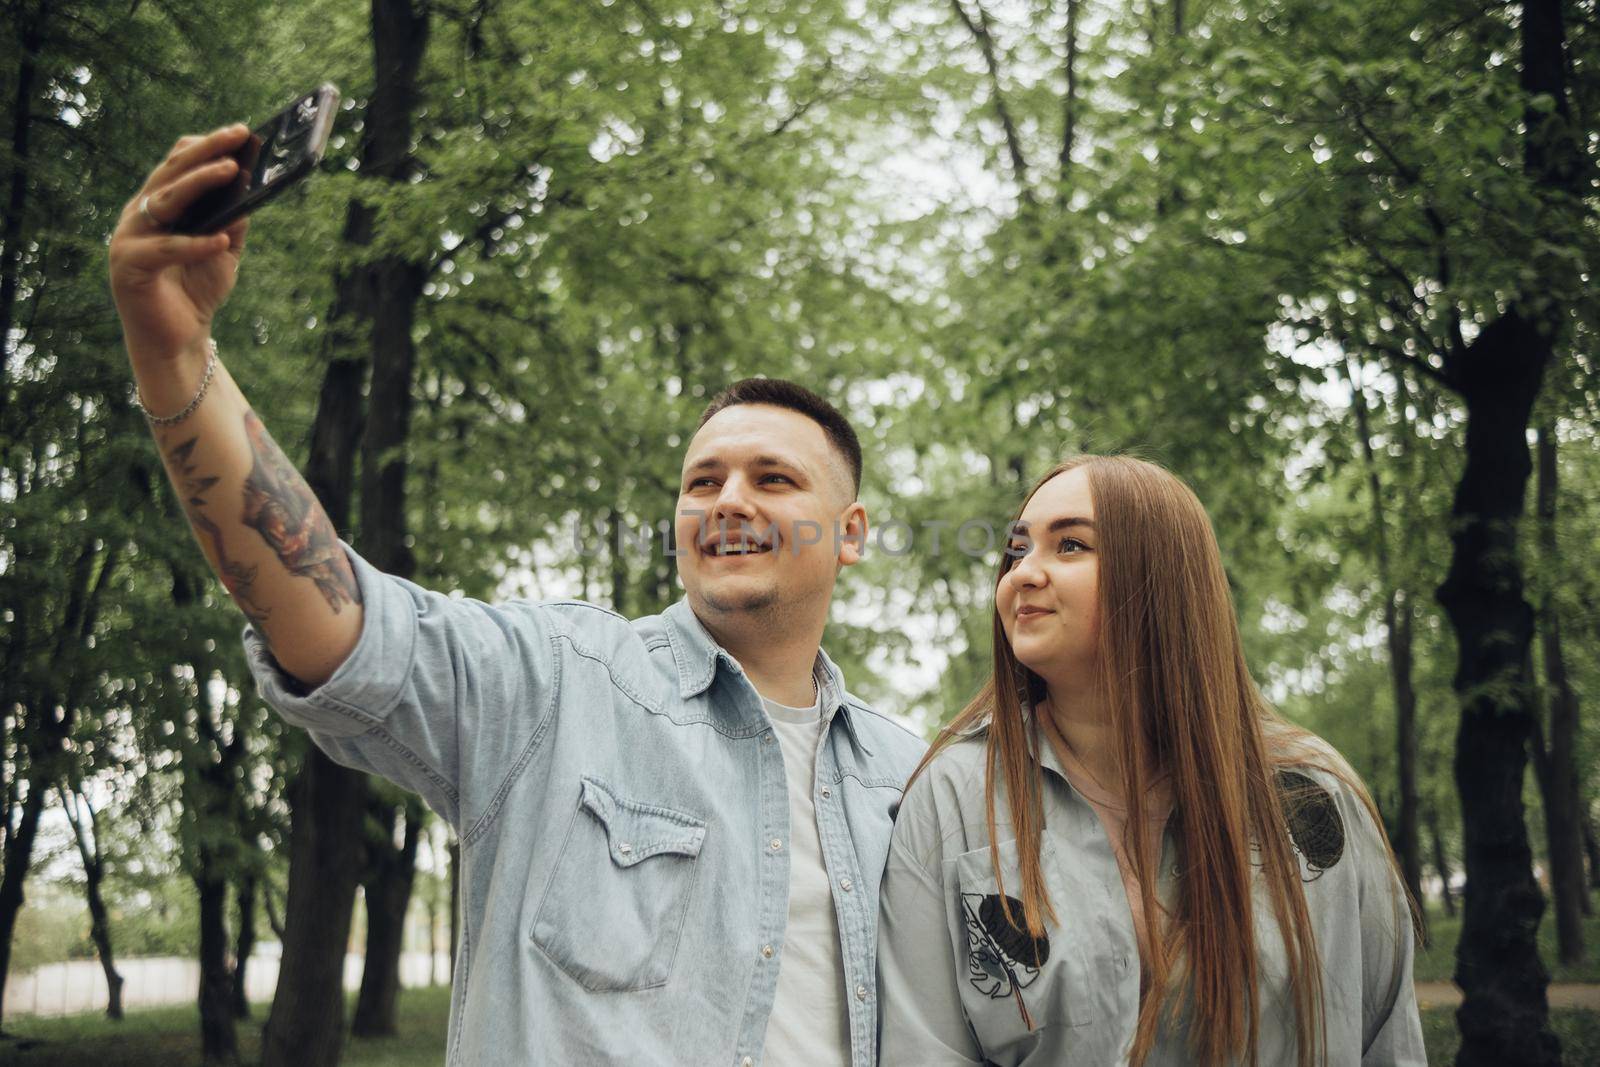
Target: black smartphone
{"type": "Point", "coordinates": [277, 154]}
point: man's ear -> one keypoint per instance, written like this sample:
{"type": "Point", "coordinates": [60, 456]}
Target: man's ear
{"type": "Point", "coordinates": [850, 534]}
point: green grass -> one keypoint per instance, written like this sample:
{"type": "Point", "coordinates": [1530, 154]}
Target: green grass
{"type": "Point", "coordinates": [1437, 962]}
{"type": "Point", "coordinates": [1579, 1031]}
{"type": "Point", "coordinates": [170, 1037]}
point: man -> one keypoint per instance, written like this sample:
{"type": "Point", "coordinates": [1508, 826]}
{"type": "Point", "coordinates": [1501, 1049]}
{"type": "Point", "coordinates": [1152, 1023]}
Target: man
{"type": "Point", "coordinates": [672, 829]}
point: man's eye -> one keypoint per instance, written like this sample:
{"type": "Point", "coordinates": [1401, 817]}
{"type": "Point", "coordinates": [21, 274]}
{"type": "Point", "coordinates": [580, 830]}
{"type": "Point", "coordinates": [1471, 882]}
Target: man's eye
{"type": "Point", "coordinates": [698, 482]}
{"type": "Point", "coordinates": [782, 477]}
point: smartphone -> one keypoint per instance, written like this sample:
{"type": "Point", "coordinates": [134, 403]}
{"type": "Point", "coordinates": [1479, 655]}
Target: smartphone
{"type": "Point", "coordinates": [277, 154]}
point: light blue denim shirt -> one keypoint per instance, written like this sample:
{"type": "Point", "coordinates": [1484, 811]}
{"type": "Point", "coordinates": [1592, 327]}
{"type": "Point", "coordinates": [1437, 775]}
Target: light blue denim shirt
{"type": "Point", "coordinates": [623, 814]}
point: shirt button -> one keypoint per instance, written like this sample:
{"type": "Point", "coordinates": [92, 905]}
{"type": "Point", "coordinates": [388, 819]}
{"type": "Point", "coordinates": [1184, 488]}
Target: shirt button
{"type": "Point", "coordinates": [766, 950]}
{"type": "Point", "coordinates": [776, 844]}
{"type": "Point", "coordinates": [861, 992]}
{"type": "Point", "coordinates": [846, 884]}
{"type": "Point", "coordinates": [766, 739]}
{"type": "Point", "coordinates": [625, 848]}
{"type": "Point", "coordinates": [826, 792]}
{"type": "Point", "coordinates": [747, 1062]}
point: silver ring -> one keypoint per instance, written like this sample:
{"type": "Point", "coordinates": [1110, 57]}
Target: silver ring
{"type": "Point", "coordinates": [144, 209]}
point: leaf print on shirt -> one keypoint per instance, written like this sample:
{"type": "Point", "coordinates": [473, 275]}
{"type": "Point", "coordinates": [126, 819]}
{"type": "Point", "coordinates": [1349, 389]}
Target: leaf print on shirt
{"type": "Point", "coordinates": [1002, 960]}
{"type": "Point", "coordinates": [1315, 825]}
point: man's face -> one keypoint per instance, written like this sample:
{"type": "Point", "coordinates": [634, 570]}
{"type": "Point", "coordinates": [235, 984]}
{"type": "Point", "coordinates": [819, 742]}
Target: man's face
{"type": "Point", "coordinates": [761, 493]}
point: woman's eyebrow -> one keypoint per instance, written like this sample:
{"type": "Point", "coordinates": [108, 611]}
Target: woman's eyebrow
{"type": "Point", "coordinates": [1071, 520]}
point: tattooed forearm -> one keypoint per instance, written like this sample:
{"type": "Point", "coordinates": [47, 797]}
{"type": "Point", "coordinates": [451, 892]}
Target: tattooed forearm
{"type": "Point", "coordinates": [281, 508]}
{"type": "Point", "coordinates": [237, 579]}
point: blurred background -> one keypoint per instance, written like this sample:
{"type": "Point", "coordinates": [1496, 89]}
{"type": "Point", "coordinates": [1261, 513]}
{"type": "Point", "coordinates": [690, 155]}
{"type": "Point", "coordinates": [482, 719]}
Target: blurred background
{"type": "Point", "coordinates": [1329, 261]}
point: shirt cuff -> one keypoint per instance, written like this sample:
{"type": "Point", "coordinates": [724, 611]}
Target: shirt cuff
{"type": "Point", "coordinates": [369, 681]}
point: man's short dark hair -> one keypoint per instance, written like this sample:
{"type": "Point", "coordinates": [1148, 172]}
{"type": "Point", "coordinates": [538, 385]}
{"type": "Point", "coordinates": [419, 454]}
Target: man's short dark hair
{"type": "Point", "coordinates": [785, 394]}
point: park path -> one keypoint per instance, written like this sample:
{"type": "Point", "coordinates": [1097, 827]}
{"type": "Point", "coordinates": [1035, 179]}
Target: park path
{"type": "Point", "coordinates": [80, 985]}
{"type": "Point", "coordinates": [1564, 995]}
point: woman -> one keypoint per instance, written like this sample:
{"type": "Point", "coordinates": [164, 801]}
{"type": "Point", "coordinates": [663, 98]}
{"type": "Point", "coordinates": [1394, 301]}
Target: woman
{"type": "Point", "coordinates": [1118, 853]}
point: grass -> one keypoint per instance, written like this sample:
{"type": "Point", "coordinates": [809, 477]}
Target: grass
{"type": "Point", "coordinates": [1579, 1031]}
{"type": "Point", "coordinates": [170, 1037]}
{"type": "Point", "coordinates": [1437, 962]}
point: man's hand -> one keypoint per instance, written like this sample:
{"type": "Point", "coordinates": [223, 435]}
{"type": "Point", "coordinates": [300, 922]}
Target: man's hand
{"type": "Point", "coordinates": [168, 286]}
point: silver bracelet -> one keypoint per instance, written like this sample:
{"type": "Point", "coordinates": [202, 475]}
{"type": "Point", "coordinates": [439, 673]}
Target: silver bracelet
{"type": "Point", "coordinates": [205, 383]}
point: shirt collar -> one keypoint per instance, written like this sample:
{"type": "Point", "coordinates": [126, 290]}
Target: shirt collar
{"type": "Point", "coordinates": [697, 653]}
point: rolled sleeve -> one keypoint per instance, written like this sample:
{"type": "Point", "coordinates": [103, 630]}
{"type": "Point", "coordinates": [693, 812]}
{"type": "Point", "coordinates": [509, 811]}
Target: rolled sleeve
{"type": "Point", "coordinates": [921, 1021]}
{"type": "Point", "coordinates": [1391, 1025]}
{"type": "Point", "coordinates": [437, 696]}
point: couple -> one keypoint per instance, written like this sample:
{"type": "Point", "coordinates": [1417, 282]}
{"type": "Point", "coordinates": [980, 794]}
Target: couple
{"type": "Point", "coordinates": [684, 842]}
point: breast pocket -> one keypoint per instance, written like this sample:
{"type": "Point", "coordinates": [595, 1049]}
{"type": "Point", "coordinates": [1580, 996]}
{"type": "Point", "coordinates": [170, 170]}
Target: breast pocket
{"type": "Point", "coordinates": [1012, 984]}
{"type": "Point", "coordinates": [613, 908]}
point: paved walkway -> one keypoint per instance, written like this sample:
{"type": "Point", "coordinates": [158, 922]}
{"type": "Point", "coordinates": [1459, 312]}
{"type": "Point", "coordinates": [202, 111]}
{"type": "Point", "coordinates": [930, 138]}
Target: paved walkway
{"type": "Point", "coordinates": [1565, 995]}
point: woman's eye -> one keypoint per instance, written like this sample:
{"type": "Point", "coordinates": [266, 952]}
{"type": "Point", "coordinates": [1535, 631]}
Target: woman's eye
{"type": "Point", "coordinates": [1070, 545]}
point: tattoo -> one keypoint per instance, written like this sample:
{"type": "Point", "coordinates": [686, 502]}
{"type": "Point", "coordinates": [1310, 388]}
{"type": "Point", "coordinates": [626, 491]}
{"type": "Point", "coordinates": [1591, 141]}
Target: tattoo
{"type": "Point", "coordinates": [281, 508]}
{"type": "Point", "coordinates": [237, 579]}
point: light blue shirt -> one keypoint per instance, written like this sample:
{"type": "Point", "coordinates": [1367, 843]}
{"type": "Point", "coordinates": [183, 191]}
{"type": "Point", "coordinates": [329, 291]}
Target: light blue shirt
{"type": "Point", "coordinates": [952, 973]}
{"type": "Point", "coordinates": [623, 814]}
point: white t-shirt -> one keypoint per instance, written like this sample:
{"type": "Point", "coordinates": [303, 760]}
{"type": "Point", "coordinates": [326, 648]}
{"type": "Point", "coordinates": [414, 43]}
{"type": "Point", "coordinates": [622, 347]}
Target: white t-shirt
{"type": "Point", "coordinates": [810, 1023]}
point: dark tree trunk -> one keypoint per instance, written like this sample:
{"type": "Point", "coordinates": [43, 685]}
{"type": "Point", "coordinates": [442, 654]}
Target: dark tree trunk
{"type": "Point", "coordinates": [19, 855]}
{"type": "Point", "coordinates": [30, 36]}
{"type": "Point", "coordinates": [329, 801]}
{"type": "Point", "coordinates": [1397, 620]}
{"type": "Point", "coordinates": [44, 734]}
{"type": "Point", "coordinates": [218, 1040]}
{"type": "Point", "coordinates": [1504, 1016]}
{"type": "Point", "coordinates": [1591, 849]}
{"type": "Point", "coordinates": [392, 289]}
{"type": "Point", "coordinates": [388, 894]}
{"type": "Point", "coordinates": [1441, 864]}
{"type": "Point", "coordinates": [86, 832]}
{"type": "Point", "coordinates": [244, 944]}
{"type": "Point", "coordinates": [100, 932]}
{"type": "Point", "coordinates": [210, 804]}
{"type": "Point", "coordinates": [1558, 779]}
{"type": "Point", "coordinates": [306, 1024]}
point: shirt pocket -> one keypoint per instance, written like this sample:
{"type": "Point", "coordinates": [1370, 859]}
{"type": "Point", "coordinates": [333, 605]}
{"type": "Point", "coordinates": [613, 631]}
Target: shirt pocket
{"type": "Point", "coordinates": [613, 909]}
{"type": "Point", "coordinates": [1000, 968]}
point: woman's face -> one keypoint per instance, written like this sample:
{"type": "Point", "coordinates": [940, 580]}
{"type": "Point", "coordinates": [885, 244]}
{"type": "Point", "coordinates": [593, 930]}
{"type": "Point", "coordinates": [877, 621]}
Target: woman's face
{"type": "Point", "coordinates": [1048, 599]}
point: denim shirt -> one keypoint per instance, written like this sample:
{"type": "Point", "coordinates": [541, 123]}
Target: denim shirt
{"type": "Point", "coordinates": [952, 973]}
{"type": "Point", "coordinates": [623, 814]}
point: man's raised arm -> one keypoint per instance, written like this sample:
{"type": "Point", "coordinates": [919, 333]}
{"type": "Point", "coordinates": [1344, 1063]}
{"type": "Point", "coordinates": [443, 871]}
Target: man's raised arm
{"type": "Point", "coordinates": [256, 519]}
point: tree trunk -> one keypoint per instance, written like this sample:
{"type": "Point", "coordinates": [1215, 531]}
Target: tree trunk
{"type": "Point", "coordinates": [1397, 621]}
{"type": "Point", "coordinates": [244, 944]}
{"type": "Point", "coordinates": [306, 1024]}
{"type": "Point", "coordinates": [326, 847]}
{"type": "Point", "coordinates": [19, 855]}
{"type": "Point", "coordinates": [218, 1040]}
{"type": "Point", "coordinates": [31, 36]}
{"type": "Point", "coordinates": [1441, 864]}
{"type": "Point", "coordinates": [1559, 782]}
{"type": "Point", "coordinates": [393, 287]}
{"type": "Point", "coordinates": [1504, 1015]}
{"type": "Point", "coordinates": [80, 812]}
{"type": "Point", "coordinates": [1591, 849]}
{"type": "Point", "coordinates": [388, 895]}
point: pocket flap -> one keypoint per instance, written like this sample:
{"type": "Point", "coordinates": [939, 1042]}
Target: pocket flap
{"type": "Point", "coordinates": [638, 831]}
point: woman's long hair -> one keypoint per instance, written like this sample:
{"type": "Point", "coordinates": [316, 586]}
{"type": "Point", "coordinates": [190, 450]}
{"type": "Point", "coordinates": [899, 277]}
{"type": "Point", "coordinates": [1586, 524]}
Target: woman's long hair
{"type": "Point", "coordinates": [1181, 700]}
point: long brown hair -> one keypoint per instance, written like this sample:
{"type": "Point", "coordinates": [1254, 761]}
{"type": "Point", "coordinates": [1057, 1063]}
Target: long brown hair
{"type": "Point", "coordinates": [1181, 701]}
